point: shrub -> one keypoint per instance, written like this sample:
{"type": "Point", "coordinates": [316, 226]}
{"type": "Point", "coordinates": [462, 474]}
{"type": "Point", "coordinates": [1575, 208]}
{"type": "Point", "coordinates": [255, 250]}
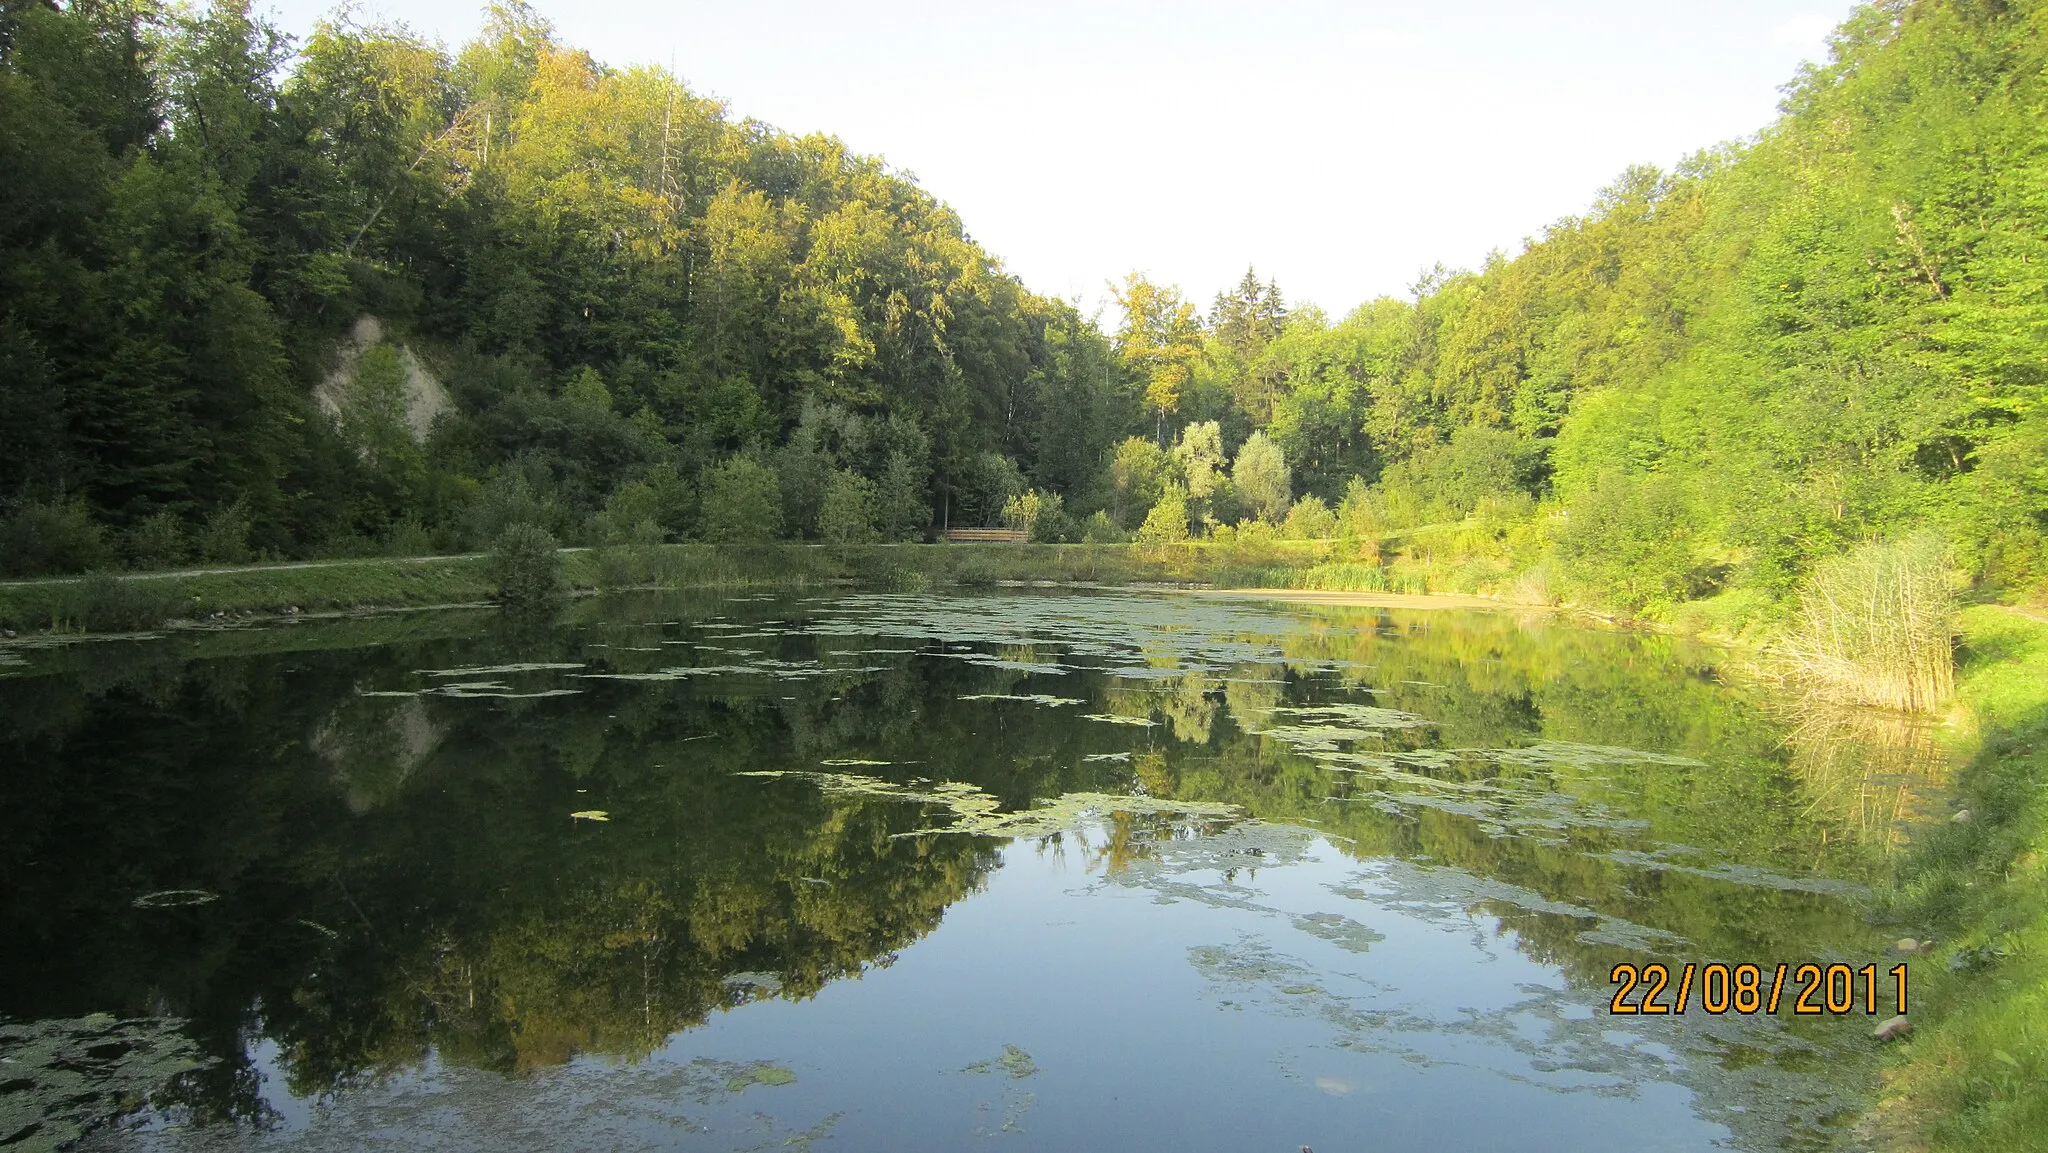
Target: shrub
{"type": "Point", "coordinates": [1629, 540]}
{"type": "Point", "coordinates": [1099, 529]}
{"type": "Point", "coordinates": [1309, 519]}
{"type": "Point", "coordinates": [902, 510]}
{"type": "Point", "coordinates": [846, 512]}
{"type": "Point", "coordinates": [1041, 516]}
{"type": "Point", "coordinates": [523, 492]}
{"type": "Point", "coordinates": [524, 565]}
{"type": "Point", "coordinates": [157, 541]}
{"type": "Point", "coordinates": [1877, 626]}
{"type": "Point", "coordinates": [224, 538]}
{"type": "Point", "coordinates": [57, 536]}
{"type": "Point", "coordinates": [408, 537]}
{"type": "Point", "coordinates": [742, 502]}
{"type": "Point", "coordinates": [1261, 477]}
{"type": "Point", "coordinates": [1167, 523]}
{"type": "Point", "coordinates": [1358, 515]}
{"type": "Point", "coordinates": [103, 602]}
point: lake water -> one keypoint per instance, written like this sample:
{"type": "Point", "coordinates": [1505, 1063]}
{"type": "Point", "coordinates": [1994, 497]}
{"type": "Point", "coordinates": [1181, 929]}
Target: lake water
{"type": "Point", "coordinates": [858, 872]}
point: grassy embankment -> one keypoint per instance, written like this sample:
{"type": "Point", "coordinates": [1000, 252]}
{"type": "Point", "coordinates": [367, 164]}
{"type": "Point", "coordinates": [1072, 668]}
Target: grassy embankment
{"type": "Point", "coordinates": [1973, 1075]}
{"type": "Point", "coordinates": [110, 602]}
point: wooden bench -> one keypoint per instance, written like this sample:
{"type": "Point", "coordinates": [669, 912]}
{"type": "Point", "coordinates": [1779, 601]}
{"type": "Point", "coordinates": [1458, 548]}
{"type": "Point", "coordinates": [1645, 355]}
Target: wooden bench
{"type": "Point", "coordinates": [986, 536]}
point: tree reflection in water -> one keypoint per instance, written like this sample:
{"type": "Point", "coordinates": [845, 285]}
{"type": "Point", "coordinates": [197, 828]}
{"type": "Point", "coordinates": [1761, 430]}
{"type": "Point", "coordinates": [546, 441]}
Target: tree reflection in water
{"type": "Point", "coordinates": [383, 806]}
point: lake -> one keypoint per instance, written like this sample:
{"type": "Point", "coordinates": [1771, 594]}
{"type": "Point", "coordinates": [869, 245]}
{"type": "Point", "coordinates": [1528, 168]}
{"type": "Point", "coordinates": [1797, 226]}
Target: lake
{"type": "Point", "coordinates": [1023, 869]}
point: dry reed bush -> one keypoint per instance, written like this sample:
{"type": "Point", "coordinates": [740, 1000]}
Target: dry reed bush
{"type": "Point", "coordinates": [1877, 626]}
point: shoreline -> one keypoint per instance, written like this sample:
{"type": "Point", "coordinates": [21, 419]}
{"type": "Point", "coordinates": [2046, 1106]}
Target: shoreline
{"type": "Point", "coordinates": [1362, 599]}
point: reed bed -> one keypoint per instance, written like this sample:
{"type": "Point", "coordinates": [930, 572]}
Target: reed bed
{"type": "Point", "coordinates": [1877, 626]}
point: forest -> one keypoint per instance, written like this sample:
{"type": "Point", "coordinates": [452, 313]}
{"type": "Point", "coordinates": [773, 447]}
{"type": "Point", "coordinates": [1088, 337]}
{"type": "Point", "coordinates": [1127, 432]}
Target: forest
{"type": "Point", "coordinates": [359, 296]}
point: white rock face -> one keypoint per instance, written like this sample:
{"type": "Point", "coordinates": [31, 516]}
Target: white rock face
{"type": "Point", "coordinates": [425, 397]}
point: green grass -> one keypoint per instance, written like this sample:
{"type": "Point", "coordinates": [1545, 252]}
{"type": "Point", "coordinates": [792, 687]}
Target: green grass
{"type": "Point", "coordinates": [133, 601]}
{"type": "Point", "coordinates": [109, 603]}
{"type": "Point", "coordinates": [1972, 1076]}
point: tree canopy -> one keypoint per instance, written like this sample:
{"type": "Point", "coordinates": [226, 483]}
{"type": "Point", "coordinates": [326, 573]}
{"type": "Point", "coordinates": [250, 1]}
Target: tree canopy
{"type": "Point", "coordinates": [360, 293]}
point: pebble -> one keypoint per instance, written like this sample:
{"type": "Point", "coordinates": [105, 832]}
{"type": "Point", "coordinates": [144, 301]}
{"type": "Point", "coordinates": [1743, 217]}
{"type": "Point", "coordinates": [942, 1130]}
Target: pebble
{"type": "Point", "coordinates": [1962, 815]}
{"type": "Point", "coordinates": [1909, 946]}
{"type": "Point", "coordinates": [1893, 1029]}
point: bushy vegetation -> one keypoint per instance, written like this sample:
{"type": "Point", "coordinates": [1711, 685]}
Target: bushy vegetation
{"type": "Point", "coordinates": [525, 566]}
{"type": "Point", "coordinates": [659, 323]}
{"type": "Point", "coordinates": [1878, 626]}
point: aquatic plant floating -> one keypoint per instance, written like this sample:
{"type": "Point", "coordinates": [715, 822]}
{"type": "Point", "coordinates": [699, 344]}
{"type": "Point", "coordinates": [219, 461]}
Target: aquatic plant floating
{"type": "Point", "coordinates": [175, 898]}
{"type": "Point", "coordinates": [591, 815]}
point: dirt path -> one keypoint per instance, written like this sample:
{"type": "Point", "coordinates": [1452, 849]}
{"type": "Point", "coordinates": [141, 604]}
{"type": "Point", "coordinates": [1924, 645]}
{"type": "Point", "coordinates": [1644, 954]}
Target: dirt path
{"type": "Point", "coordinates": [1366, 599]}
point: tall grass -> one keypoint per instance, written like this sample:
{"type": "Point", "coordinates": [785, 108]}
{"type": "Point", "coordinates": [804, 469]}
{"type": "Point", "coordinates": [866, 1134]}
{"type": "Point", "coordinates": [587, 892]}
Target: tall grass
{"type": "Point", "coordinates": [1877, 626]}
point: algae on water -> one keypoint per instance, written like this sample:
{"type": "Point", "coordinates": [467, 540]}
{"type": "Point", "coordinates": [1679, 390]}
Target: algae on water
{"type": "Point", "coordinates": [976, 812]}
{"type": "Point", "coordinates": [60, 1078]}
{"type": "Point", "coordinates": [1013, 1063]}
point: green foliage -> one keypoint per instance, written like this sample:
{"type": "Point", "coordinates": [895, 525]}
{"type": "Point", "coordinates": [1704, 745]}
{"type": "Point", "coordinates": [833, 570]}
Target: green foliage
{"type": "Point", "coordinates": [1628, 541]}
{"type": "Point", "coordinates": [1167, 523]}
{"type": "Point", "coordinates": [586, 390]}
{"type": "Point", "coordinates": [156, 541]}
{"type": "Point", "coordinates": [38, 537]}
{"type": "Point", "coordinates": [104, 602]}
{"type": "Point", "coordinates": [1261, 478]}
{"type": "Point", "coordinates": [1099, 529]}
{"type": "Point", "coordinates": [1309, 519]}
{"type": "Point", "coordinates": [1041, 516]}
{"type": "Point", "coordinates": [523, 492]}
{"type": "Point", "coordinates": [1136, 475]}
{"type": "Point", "coordinates": [525, 566]}
{"type": "Point", "coordinates": [224, 537]}
{"type": "Point", "coordinates": [846, 514]}
{"type": "Point", "coordinates": [742, 502]}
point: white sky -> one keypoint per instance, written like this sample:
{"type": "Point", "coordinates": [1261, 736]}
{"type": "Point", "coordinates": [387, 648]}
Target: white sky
{"type": "Point", "coordinates": [1341, 148]}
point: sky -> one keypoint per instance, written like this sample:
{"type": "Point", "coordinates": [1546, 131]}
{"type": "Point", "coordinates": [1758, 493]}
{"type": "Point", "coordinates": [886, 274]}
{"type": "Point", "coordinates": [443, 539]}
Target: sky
{"type": "Point", "coordinates": [1341, 149]}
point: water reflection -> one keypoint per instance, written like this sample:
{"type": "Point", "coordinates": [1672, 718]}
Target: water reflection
{"type": "Point", "coordinates": [798, 792]}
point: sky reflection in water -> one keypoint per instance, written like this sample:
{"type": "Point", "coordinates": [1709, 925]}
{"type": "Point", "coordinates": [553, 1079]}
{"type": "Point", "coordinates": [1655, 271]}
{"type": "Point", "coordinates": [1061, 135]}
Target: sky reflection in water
{"type": "Point", "coordinates": [1052, 871]}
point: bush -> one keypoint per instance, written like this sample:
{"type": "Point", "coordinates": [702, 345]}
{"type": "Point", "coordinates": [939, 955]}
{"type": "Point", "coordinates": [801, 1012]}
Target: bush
{"type": "Point", "coordinates": [523, 492]}
{"type": "Point", "coordinates": [524, 565]}
{"type": "Point", "coordinates": [742, 502]}
{"type": "Point", "coordinates": [846, 513]}
{"type": "Point", "coordinates": [103, 602]}
{"type": "Point", "coordinates": [60, 536]}
{"type": "Point", "coordinates": [1309, 519]}
{"type": "Point", "coordinates": [408, 537]}
{"type": "Point", "coordinates": [156, 542]}
{"type": "Point", "coordinates": [1261, 477]}
{"type": "Point", "coordinates": [1628, 540]}
{"type": "Point", "coordinates": [1099, 529]}
{"type": "Point", "coordinates": [1167, 523]}
{"type": "Point", "coordinates": [1877, 626]}
{"type": "Point", "coordinates": [1041, 516]}
{"type": "Point", "coordinates": [224, 539]}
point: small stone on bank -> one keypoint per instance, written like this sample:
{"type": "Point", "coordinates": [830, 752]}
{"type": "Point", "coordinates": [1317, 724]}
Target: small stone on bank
{"type": "Point", "coordinates": [1909, 946]}
{"type": "Point", "coordinates": [1893, 1029]}
{"type": "Point", "coordinates": [1962, 815]}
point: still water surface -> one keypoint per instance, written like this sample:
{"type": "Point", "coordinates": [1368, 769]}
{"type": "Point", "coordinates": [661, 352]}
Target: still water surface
{"type": "Point", "coordinates": [1030, 871]}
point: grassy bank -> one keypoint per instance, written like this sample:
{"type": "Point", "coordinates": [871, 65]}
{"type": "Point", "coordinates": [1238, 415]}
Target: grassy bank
{"type": "Point", "coordinates": [109, 602]}
{"type": "Point", "coordinates": [1972, 1076]}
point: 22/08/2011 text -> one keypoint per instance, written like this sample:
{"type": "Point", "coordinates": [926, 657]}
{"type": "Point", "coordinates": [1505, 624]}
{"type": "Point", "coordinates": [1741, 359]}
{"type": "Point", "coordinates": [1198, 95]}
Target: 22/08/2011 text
{"type": "Point", "coordinates": [1719, 988]}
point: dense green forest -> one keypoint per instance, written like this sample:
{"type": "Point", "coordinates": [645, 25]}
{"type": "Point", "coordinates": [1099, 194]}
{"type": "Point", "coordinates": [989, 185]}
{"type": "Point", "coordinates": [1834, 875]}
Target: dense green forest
{"type": "Point", "coordinates": [360, 295]}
